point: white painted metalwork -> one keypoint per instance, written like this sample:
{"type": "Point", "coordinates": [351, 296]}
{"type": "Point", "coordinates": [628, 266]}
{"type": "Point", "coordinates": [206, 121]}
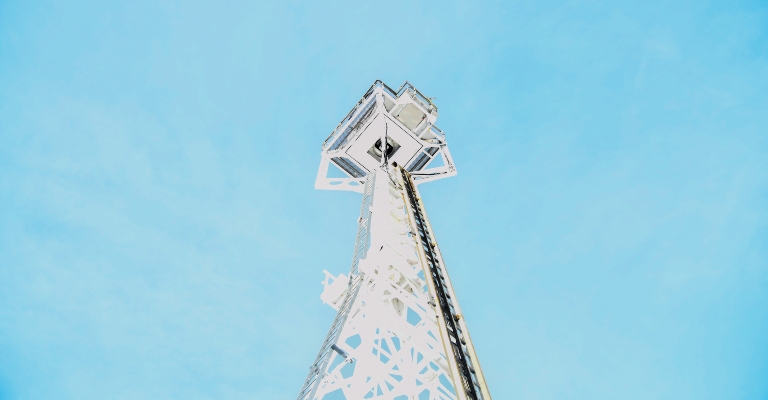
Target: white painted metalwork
{"type": "Point", "coordinates": [407, 118]}
{"type": "Point", "coordinates": [399, 332]}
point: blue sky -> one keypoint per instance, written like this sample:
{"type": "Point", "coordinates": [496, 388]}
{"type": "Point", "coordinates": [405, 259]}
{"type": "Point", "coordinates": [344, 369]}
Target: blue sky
{"type": "Point", "coordinates": [160, 237]}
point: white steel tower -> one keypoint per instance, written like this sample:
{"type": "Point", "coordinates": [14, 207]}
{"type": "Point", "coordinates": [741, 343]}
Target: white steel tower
{"type": "Point", "coordinates": [399, 332]}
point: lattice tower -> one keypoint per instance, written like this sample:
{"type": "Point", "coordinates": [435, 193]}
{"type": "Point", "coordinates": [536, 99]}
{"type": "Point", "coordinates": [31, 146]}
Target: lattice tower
{"type": "Point", "coordinates": [399, 332]}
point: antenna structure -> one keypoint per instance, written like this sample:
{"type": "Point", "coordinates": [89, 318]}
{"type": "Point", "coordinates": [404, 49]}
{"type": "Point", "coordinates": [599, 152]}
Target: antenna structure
{"type": "Point", "coordinates": [399, 332]}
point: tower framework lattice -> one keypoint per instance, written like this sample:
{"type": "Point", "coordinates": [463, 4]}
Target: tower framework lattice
{"type": "Point", "coordinates": [399, 332]}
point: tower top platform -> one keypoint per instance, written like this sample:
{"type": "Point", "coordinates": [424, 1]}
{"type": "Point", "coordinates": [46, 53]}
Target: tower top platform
{"type": "Point", "coordinates": [405, 119]}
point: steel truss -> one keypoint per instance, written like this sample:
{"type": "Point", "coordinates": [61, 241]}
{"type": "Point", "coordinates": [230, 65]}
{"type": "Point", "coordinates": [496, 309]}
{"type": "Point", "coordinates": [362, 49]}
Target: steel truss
{"type": "Point", "coordinates": [399, 333]}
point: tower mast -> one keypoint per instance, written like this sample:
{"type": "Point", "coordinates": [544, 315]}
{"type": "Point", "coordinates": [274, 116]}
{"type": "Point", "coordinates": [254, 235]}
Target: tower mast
{"type": "Point", "coordinates": [399, 332]}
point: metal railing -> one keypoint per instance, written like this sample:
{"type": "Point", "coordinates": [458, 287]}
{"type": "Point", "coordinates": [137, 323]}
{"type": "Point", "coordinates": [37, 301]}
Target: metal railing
{"type": "Point", "coordinates": [423, 101]}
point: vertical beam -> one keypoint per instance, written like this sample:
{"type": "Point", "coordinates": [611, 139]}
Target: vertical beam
{"type": "Point", "coordinates": [317, 370]}
{"type": "Point", "coordinates": [460, 316]}
{"type": "Point", "coordinates": [468, 377]}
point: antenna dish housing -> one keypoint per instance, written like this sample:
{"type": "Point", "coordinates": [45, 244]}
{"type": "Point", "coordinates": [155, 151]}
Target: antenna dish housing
{"type": "Point", "coordinates": [413, 141]}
